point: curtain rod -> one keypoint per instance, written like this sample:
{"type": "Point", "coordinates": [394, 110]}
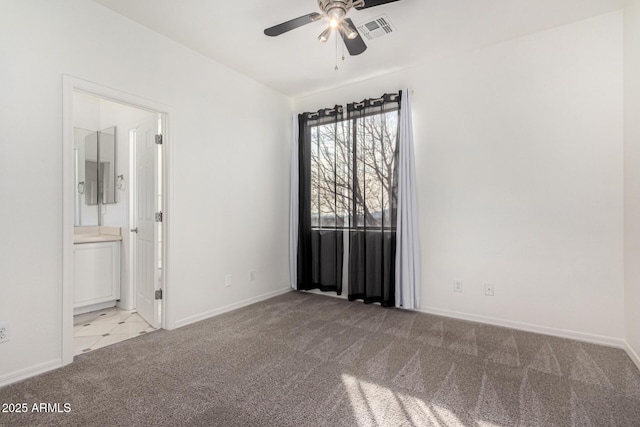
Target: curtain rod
{"type": "Point", "coordinates": [330, 111]}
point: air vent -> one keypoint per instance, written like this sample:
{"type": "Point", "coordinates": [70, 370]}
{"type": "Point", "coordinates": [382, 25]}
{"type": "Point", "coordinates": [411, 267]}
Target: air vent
{"type": "Point", "coordinates": [376, 28]}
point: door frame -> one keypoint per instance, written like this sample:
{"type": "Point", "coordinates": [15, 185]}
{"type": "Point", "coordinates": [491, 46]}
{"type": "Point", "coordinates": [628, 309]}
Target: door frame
{"type": "Point", "coordinates": [71, 84]}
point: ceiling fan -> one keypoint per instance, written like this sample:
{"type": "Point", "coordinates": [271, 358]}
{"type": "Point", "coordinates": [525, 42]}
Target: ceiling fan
{"type": "Point", "coordinates": [335, 12]}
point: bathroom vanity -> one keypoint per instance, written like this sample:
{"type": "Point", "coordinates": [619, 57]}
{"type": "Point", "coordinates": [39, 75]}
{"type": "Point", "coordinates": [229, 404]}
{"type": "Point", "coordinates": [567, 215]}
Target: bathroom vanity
{"type": "Point", "coordinates": [96, 253]}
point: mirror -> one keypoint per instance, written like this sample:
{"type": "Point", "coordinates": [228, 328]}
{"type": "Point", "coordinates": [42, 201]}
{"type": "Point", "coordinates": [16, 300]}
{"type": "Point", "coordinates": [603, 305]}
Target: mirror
{"type": "Point", "coordinates": [107, 170]}
{"type": "Point", "coordinates": [95, 172]}
{"type": "Point", "coordinates": [91, 169]}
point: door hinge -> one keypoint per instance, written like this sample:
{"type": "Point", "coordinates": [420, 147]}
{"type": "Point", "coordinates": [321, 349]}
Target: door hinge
{"type": "Point", "coordinates": [159, 216]}
{"type": "Point", "coordinates": [158, 294]}
{"type": "Point", "coordinates": [159, 139]}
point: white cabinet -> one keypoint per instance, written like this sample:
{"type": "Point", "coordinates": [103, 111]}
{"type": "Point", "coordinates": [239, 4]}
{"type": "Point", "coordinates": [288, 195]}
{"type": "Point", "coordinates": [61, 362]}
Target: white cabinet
{"type": "Point", "coordinates": [96, 275]}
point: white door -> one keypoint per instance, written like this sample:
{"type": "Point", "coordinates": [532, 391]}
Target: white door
{"type": "Point", "coordinates": [146, 204]}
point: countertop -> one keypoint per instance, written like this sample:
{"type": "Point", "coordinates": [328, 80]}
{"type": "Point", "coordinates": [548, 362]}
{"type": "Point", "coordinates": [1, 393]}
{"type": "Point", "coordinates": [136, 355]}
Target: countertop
{"type": "Point", "coordinates": [96, 234]}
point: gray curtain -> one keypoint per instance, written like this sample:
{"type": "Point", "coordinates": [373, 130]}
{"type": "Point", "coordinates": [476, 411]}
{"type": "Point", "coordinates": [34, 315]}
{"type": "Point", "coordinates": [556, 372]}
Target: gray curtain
{"type": "Point", "coordinates": [407, 235]}
{"type": "Point", "coordinates": [322, 142]}
{"type": "Point", "coordinates": [347, 197]}
{"type": "Point", "coordinates": [374, 183]}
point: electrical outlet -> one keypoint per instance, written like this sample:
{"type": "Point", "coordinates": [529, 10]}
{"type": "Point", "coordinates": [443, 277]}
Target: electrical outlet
{"type": "Point", "coordinates": [4, 332]}
{"type": "Point", "coordinates": [252, 275]}
{"type": "Point", "coordinates": [488, 289]}
{"type": "Point", "coordinates": [457, 286]}
{"type": "Point", "coordinates": [227, 280]}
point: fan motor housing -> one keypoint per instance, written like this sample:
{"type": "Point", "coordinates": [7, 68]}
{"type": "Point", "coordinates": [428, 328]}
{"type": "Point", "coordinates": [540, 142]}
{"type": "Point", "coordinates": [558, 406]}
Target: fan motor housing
{"type": "Point", "coordinates": [335, 9]}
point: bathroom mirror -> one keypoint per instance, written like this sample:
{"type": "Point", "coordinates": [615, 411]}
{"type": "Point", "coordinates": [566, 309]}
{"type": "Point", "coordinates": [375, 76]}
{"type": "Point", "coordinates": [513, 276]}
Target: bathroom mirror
{"type": "Point", "coordinates": [95, 172]}
{"type": "Point", "coordinates": [107, 165]}
{"type": "Point", "coordinates": [90, 182]}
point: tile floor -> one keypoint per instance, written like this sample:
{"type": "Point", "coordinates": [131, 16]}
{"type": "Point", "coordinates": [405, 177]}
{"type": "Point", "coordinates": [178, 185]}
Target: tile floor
{"type": "Point", "coordinates": [101, 328]}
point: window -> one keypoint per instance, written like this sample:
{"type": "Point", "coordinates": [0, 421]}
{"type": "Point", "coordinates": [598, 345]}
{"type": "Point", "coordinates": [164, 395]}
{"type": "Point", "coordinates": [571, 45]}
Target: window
{"type": "Point", "coordinates": [345, 210]}
{"type": "Point", "coordinates": [353, 170]}
{"type": "Point", "coordinates": [347, 199]}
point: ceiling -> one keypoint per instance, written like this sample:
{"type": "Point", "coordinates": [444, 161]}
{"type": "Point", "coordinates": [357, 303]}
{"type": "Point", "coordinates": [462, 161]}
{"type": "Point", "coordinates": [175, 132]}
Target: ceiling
{"type": "Point", "coordinates": [296, 63]}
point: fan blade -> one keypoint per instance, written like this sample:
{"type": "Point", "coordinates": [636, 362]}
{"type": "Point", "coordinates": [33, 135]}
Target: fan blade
{"type": "Point", "coordinates": [292, 25]}
{"type": "Point", "coordinates": [373, 3]}
{"type": "Point", "coordinates": [355, 46]}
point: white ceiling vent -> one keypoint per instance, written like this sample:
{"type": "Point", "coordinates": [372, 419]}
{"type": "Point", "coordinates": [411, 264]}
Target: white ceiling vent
{"type": "Point", "coordinates": [375, 28]}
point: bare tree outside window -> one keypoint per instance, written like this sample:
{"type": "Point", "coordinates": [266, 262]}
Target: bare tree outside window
{"type": "Point", "coordinates": [353, 172]}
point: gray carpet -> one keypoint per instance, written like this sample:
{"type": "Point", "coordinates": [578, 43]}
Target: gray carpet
{"type": "Point", "coordinates": [310, 360]}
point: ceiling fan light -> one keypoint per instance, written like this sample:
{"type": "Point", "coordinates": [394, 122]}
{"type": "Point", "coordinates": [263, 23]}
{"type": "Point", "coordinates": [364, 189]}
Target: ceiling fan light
{"type": "Point", "coordinates": [348, 31]}
{"type": "Point", "coordinates": [324, 36]}
{"type": "Point", "coordinates": [333, 23]}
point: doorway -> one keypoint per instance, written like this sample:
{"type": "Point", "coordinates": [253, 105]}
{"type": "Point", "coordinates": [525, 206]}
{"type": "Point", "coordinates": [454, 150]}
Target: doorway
{"type": "Point", "coordinates": [137, 211]}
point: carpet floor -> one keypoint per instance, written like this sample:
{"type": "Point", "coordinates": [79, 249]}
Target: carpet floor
{"type": "Point", "coordinates": [302, 359]}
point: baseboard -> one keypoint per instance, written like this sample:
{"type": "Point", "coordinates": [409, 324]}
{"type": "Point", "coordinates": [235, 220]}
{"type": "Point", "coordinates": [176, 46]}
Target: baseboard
{"type": "Point", "coordinates": [528, 327]}
{"type": "Point", "coordinates": [215, 312]}
{"type": "Point", "coordinates": [29, 372]}
{"type": "Point", "coordinates": [94, 307]}
{"type": "Point", "coordinates": [632, 353]}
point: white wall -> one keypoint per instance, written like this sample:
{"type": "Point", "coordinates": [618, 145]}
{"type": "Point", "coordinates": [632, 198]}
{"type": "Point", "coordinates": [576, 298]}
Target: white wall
{"type": "Point", "coordinates": [632, 175]}
{"type": "Point", "coordinates": [229, 139]}
{"type": "Point", "coordinates": [87, 117]}
{"type": "Point", "coordinates": [519, 169]}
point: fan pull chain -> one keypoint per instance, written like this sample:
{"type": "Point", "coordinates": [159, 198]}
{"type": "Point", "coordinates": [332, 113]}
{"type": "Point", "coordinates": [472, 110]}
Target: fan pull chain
{"type": "Point", "coordinates": [336, 37]}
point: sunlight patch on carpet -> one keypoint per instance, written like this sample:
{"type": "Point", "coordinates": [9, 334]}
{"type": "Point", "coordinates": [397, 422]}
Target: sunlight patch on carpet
{"type": "Point", "coordinates": [374, 404]}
